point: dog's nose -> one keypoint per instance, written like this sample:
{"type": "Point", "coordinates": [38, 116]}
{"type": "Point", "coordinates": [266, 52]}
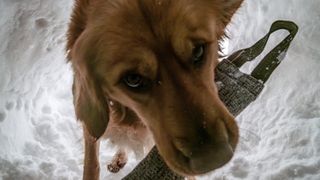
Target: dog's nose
{"type": "Point", "coordinates": [205, 154]}
{"type": "Point", "coordinates": [188, 145]}
{"type": "Point", "coordinates": [211, 158]}
{"type": "Point", "coordinates": [207, 147]}
{"type": "Point", "coordinates": [205, 157]}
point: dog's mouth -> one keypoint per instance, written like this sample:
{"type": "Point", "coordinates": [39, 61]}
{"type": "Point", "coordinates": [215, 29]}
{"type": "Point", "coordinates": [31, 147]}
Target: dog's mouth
{"type": "Point", "coordinates": [200, 160]}
{"type": "Point", "coordinates": [194, 157]}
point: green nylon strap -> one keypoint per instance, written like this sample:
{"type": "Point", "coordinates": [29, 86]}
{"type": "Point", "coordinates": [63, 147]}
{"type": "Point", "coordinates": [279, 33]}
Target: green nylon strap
{"type": "Point", "coordinates": [269, 63]}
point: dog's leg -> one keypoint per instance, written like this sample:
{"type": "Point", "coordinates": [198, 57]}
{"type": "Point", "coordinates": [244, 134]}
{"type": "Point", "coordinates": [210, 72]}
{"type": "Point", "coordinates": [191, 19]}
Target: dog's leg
{"type": "Point", "coordinates": [118, 162]}
{"type": "Point", "coordinates": [91, 158]}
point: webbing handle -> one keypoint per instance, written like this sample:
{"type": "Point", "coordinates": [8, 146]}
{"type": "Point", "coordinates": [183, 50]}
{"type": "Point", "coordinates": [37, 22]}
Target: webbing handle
{"type": "Point", "coordinates": [268, 64]}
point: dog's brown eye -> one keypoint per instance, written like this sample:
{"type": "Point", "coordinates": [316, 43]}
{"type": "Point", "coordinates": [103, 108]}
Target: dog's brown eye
{"type": "Point", "coordinates": [198, 53]}
{"type": "Point", "coordinates": [134, 80]}
{"type": "Point", "coordinates": [137, 83]}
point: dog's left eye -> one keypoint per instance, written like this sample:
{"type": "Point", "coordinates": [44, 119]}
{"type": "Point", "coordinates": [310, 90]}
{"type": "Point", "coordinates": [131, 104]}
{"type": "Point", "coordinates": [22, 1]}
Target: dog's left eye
{"type": "Point", "coordinates": [198, 53]}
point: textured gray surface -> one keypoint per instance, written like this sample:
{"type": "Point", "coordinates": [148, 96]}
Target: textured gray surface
{"type": "Point", "coordinates": [236, 89]}
{"type": "Point", "coordinates": [152, 167]}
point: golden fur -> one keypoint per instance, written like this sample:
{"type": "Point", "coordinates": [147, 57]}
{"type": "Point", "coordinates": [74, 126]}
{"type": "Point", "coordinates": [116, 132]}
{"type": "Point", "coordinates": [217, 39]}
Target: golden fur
{"type": "Point", "coordinates": [152, 42]}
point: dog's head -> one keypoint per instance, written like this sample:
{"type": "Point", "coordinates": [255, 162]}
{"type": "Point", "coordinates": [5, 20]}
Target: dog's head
{"type": "Point", "coordinates": [156, 57]}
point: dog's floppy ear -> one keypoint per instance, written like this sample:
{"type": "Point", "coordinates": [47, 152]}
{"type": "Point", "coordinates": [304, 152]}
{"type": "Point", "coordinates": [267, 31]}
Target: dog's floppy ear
{"type": "Point", "coordinates": [90, 104]}
{"type": "Point", "coordinates": [77, 23]}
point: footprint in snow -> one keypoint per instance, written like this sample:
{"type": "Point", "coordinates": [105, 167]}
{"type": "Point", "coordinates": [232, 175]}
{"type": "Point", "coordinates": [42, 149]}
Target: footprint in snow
{"type": "Point", "coordinates": [46, 109]}
{"type": "Point", "coordinates": [41, 23]}
{"type": "Point", "coordinates": [3, 116]}
{"type": "Point", "coordinates": [240, 168]}
{"type": "Point", "coordinates": [19, 104]}
{"type": "Point", "coordinates": [9, 105]}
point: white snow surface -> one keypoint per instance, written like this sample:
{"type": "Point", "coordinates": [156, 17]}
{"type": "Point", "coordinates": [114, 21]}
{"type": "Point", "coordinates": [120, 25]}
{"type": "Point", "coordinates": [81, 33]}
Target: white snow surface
{"type": "Point", "coordinates": [40, 138]}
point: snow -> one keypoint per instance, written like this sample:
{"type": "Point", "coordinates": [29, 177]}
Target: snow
{"type": "Point", "coordinates": [40, 138]}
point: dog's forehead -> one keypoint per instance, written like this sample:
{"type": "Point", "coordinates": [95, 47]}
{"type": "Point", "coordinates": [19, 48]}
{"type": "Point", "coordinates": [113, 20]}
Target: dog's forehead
{"type": "Point", "coordinates": [136, 29]}
{"type": "Point", "coordinates": [159, 21]}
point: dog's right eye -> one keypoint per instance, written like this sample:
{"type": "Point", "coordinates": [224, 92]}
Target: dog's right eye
{"type": "Point", "coordinates": [135, 81]}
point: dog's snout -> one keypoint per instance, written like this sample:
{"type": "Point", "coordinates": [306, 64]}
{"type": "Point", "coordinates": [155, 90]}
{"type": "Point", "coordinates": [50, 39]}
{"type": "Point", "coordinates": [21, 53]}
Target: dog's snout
{"type": "Point", "coordinates": [187, 145]}
{"type": "Point", "coordinates": [210, 159]}
{"type": "Point", "coordinates": [208, 142]}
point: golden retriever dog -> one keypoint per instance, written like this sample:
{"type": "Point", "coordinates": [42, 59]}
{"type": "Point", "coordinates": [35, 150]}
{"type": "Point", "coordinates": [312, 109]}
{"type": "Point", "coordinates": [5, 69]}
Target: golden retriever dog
{"type": "Point", "coordinates": [145, 68]}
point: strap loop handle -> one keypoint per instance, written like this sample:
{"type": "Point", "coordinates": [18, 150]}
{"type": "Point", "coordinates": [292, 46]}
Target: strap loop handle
{"type": "Point", "coordinates": [270, 62]}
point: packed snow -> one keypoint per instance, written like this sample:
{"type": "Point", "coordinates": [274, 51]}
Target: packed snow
{"type": "Point", "coordinates": [40, 138]}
